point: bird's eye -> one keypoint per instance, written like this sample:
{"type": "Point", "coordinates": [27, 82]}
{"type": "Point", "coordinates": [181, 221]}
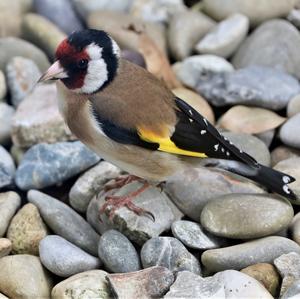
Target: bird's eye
{"type": "Point", "coordinates": [82, 64]}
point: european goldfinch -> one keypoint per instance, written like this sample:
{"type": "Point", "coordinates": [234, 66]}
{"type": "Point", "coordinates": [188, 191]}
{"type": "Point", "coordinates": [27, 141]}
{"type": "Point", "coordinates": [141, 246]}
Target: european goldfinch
{"type": "Point", "coordinates": [131, 119]}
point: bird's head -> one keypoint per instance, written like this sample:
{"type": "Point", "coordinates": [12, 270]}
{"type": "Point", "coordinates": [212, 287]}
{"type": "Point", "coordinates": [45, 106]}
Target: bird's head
{"type": "Point", "coordinates": [86, 61]}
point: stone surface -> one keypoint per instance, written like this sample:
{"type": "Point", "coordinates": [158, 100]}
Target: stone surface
{"type": "Point", "coordinates": [273, 44]}
{"type": "Point", "coordinates": [157, 10]}
{"type": "Point", "coordinates": [293, 291]}
{"type": "Point", "coordinates": [266, 137]}
{"type": "Point", "coordinates": [200, 69]}
{"type": "Point", "coordinates": [153, 282]}
{"type": "Point", "coordinates": [9, 203]}
{"type": "Point", "coordinates": [5, 247]}
{"type": "Point", "coordinates": [61, 13]}
{"type": "Point", "coordinates": [7, 168]}
{"type": "Point", "coordinates": [257, 11]}
{"type": "Point", "coordinates": [170, 253]}
{"type": "Point", "coordinates": [22, 75]}
{"type": "Point", "coordinates": [226, 284]}
{"type": "Point", "coordinates": [196, 101]}
{"type": "Point", "coordinates": [266, 274]}
{"type": "Point", "coordinates": [42, 33]}
{"type": "Point", "coordinates": [117, 253]}
{"type": "Point", "coordinates": [134, 57]}
{"type": "Point", "coordinates": [85, 285]}
{"type": "Point", "coordinates": [246, 216]}
{"type": "Point", "coordinates": [194, 236]}
{"type": "Point", "coordinates": [3, 88]}
{"type": "Point", "coordinates": [283, 152]}
{"type": "Point", "coordinates": [264, 250]}
{"type": "Point", "coordinates": [185, 30]}
{"type": "Point", "coordinates": [90, 184]}
{"type": "Point", "coordinates": [141, 228]}
{"type": "Point", "coordinates": [226, 37]}
{"type": "Point", "coordinates": [6, 117]}
{"type": "Point", "coordinates": [37, 169]}
{"type": "Point", "coordinates": [294, 106]}
{"type": "Point", "coordinates": [294, 17]}
{"type": "Point", "coordinates": [292, 167]}
{"type": "Point", "coordinates": [288, 132]}
{"type": "Point", "coordinates": [295, 228]}
{"type": "Point", "coordinates": [38, 120]}
{"type": "Point", "coordinates": [288, 265]}
{"type": "Point", "coordinates": [65, 222]}
{"type": "Point", "coordinates": [65, 259]}
{"type": "Point", "coordinates": [17, 271]}
{"type": "Point", "coordinates": [253, 86]}
{"type": "Point", "coordinates": [26, 230]}
{"type": "Point", "coordinates": [11, 47]}
{"type": "Point", "coordinates": [118, 26]}
{"type": "Point", "coordinates": [191, 189]}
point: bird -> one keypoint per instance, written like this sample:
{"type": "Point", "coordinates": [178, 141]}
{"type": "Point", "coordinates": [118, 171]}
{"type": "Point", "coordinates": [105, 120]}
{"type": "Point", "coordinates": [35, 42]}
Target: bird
{"type": "Point", "coordinates": [130, 118]}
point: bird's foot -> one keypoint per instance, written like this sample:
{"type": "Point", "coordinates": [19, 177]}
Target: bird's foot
{"type": "Point", "coordinates": [117, 202]}
{"type": "Point", "coordinates": [121, 181]}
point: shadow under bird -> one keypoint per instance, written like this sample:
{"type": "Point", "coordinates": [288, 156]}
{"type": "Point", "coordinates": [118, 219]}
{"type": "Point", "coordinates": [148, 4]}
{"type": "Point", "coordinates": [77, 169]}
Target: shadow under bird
{"type": "Point", "coordinates": [131, 119]}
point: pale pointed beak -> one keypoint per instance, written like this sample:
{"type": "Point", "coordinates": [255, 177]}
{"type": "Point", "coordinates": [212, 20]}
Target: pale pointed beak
{"type": "Point", "coordinates": [54, 72]}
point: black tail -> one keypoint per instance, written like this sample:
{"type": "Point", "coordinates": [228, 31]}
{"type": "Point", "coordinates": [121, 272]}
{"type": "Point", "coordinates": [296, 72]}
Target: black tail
{"type": "Point", "coordinates": [272, 179]}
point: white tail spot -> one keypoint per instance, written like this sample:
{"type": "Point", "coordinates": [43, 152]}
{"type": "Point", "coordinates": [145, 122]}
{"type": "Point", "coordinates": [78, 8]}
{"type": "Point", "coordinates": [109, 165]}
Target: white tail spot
{"type": "Point", "coordinates": [190, 112]}
{"type": "Point", "coordinates": [216, 146]}
{"type": "Point", "coordinates": [202, 132]}
{"type": "Point", "coordinates": [286, 189]}
{"type": "Point", "coordinates": [227, 154]}
{"type": "Point", "coordinates": [286, 179]}
{"type": "Point", "coordinates": [191, 120]}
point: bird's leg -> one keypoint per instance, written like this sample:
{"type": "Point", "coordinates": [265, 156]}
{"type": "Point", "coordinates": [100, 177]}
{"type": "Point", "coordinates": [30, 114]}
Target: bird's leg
{"type": "Point", "coordinates": [121, 181]}
{"type": "Point", "coordinates": [120, 201]}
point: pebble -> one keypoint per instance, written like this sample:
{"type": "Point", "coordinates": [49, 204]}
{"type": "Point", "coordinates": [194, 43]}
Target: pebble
{"type": "Point", "coordinates": [194, 236]}
{"type": "Point", "coordinates": [253, 86]}
{"type": "Point", "coordinates": [117, 253]}
{"type": "Point", "coordinates": [246, 216]}
{"type": "Point", "coordinates": [22, 75]}
{"type": "Point", "coordinates": [37, 169]}
{"type": "Point", "coordinates": [134, 57]}
{"type": "Point", "coordinates": [291, 167]}
{"type": "Point", "coordinates": [61, 13]}
{"type": "Point", "coordinates": [85, 285]}
{"type": "Point", "coordinates": [6, 117]}
{"type": "Point", "coordinates": [264, 250]}
{"type": "Point", "coordinates": [118, 26]}
{"type": "Point", "coordinates": [23, 276]}
{"type": "Point", "coordinates": [288, 265]}
{"type": "Point", "coordinates": [65, 222]}
{"type": "Point", "coordinates": [9, 203]}
{"type": "Point", "coordinates": [293, 291]}
{"type": "Point", "coordinates": [87, 7]}
{"type": "Point", "coordinates": [42, 33]}
{"type": "Point", "coordinates": [293, 106]}
{"type": "Point", "coordinates": [283, 152]}
{"type": "Point", "coordinates": [5, 247]}
{"type": "Point", "coordinates": [170, 253]}
{"type": "Point", "coordinates": [226, 37]}
{"type": "Point", "coordinates": [266, 274]}
{"type": "Point", "coordinates": [17, 153]}
{"type": "Point", "coordinates": [226, 284]}
{"type": "Point", "coordinates": [11, 47]}
{"type": "Point", "coordinates": [191, 189]}
{"type": "Point", "coordinates": [196, 101]}
{"type": "Point", "coordinates": [26, 230]}
{"type": "Point", "coordinates": [141, 228]}
{"type": "Point", "coordinates": [63, 258]}
{"type": "Point", "coordinates": [185, 30]}
{"type": "Point", "coordinates": [3, 88]}
{"type": "Point", "coordinates": [38, 120]}
{"type": "Point", "coordinates": [266, 137]}
{"type": "Point", "coordinates": [295, 228]}
{"type": "Point", "coordinates": [294, 17]}
{"type": "Point", "coordinates": [255, 10]}
{"type": "Point", "coordinates": [7, 169]}
{"type": "Point", "coordinates": [250, 120]}
{"type": "Point", "coordinates": [90, 184]}
{"type": "Point", "coordinates": [157, 10]}
{"type": "Point", "coordinates": [153, 282]}
{"type": "Point", "coordinates": [200, 69]}
{"type": "Point", "coordinates": [273, 44]}
{"type": "Point", "coordinates": [288, 132]}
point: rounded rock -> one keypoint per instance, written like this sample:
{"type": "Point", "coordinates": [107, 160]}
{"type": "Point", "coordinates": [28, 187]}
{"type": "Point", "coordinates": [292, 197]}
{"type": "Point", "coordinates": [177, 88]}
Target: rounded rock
{"type": "Point", "coordinates": [117, 253]}
{"type": "Point", "coordinates": [3, 88]}
{"type": "Point", "coordinates": [5, 247]}
{"type": "Point", "coordinates": [6, 119]}
{"type": "Point", "coordinates": [282, 152]}
{"type": "Point", "coordinates": [293, 106]}
{"type": "Point", "coordinates": [65, 259]}
{"type": "Point", "coordinates": [7, 169]}
{"type": "Point", "coordinates": [289, 132]}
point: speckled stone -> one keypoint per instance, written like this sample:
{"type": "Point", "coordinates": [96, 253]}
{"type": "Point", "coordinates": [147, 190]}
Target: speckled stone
{"type": "Point", "coordinates": [6, 118]}
{"type": "Point", "coordinates": [37, 169]}
{"type": "Point", "coordinates": [65, 222]}
{"type": "Point", "coordinates": [26, 230]}
{"type": "Point", "coordinates": [117, 253]}
{"type": "Point", "coordinates": [7, 169]}
{"type": "Point", "coordinates": [5, 247]}
{"type": "Point", "coordinates": [65, 259]}
{"type": "Point", "coordinates": [293, 291]}
{"type": "Point", "coordinates": [170, 253]}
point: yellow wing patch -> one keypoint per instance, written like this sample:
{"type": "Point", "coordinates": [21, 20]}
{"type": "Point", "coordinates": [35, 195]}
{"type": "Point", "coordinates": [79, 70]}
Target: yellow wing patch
{"type": "Point", "coordinates": [166, 144]}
